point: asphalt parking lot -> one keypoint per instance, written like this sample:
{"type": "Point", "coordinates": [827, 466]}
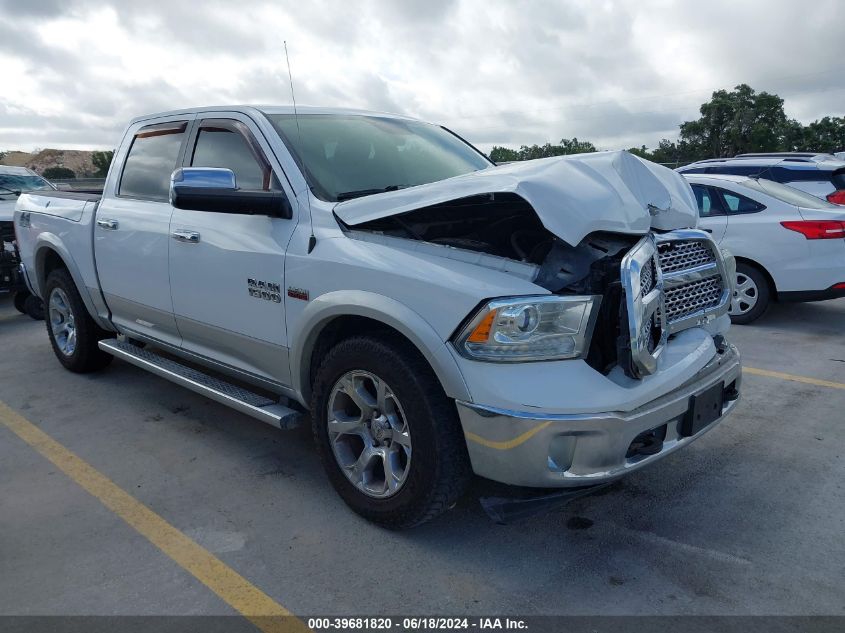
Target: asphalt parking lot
{"type": "Point", "coordinates": [748, 520]}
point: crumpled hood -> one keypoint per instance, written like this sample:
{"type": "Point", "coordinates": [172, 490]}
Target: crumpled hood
{"type": "Point", "coordinates": [572, 195]}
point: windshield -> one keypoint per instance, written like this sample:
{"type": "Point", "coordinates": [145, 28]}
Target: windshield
{"type": "Point", "coordinates": [348, 156]}
{"type": "Point", "coordinates": [11, 183]}
{"type": "Point", "coordinates": [790, 195]}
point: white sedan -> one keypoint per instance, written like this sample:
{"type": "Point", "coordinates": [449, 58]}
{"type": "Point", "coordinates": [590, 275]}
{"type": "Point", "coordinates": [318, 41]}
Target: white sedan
{"type": "Point", "coordinates": [789, 245]}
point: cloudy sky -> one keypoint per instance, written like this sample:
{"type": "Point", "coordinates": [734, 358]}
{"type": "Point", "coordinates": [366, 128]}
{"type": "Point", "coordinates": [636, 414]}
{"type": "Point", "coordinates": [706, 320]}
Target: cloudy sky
{"type": "Point", "coordinates": [497, 72]}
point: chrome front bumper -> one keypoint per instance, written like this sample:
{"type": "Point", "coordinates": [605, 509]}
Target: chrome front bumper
{"type": "Point", "coordinates": [568, 450]}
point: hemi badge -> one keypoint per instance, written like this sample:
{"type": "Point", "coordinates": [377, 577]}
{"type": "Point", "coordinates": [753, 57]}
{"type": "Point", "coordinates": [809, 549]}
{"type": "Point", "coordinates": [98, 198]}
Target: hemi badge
{"type": "Point", "coordinates": [297, 293]}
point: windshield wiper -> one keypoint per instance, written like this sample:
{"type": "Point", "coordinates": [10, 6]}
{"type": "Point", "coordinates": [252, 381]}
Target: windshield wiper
{"type": "Point", "coordinates": [348, 195]}
{"type": "Point", "coordinates": [17, 193]}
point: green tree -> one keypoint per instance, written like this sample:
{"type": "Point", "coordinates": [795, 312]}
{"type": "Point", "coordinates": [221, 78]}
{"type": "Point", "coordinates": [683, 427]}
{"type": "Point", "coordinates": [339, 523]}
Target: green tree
{"type": "Point", "coordinates": [731, 122]}
{"type": "Point", "coordinates": [824, 135]}
{"type": "Point", "coordinates": [530, 152]}
{"type": "Point", "coordinates": [574, 146]}
{"type": "Point", "coordinates": [737, 122]}
{"type": "Point", "coordinates": [102, 161]}
{"type": "Point", "coordinates": [503, 154]}
{"type": "Point", "coordinates": [56, 173]}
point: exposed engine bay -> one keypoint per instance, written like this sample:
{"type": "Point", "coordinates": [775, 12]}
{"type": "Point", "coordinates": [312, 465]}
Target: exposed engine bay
{"type": "Point", "coordinates": [500, 224]}
{"type": "Point", "coordinates": [505, 225]}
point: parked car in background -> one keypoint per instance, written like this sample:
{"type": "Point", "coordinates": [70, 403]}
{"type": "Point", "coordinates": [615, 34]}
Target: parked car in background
{"type": "Point", "coordinates": [13, 182]}
{"type": "Point", "coordinates": [550, 323]}
{"type": "Point", "coordinates": [788, 244]}
{"type": "Point", "coordinates": [822, 175]}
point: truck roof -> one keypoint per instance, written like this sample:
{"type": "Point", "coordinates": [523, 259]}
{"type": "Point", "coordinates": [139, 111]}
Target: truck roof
{"type": "Point", "coordinates": [273, 109]}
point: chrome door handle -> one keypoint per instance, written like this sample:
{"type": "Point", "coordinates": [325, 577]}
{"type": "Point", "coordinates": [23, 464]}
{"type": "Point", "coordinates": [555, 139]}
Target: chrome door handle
{"type": "Point", "coordinates": [109, 225]}
{"type": "Point", "coordinates": [191, 237]}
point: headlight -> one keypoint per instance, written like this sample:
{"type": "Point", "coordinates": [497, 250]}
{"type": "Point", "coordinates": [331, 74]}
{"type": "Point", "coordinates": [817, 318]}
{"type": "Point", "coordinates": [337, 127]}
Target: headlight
{"type": "Point", "coordinates": [530, 328]}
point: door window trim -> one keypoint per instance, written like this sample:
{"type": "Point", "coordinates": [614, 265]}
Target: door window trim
{"type": "Point", "coordinates": [154, 129]}
{"type": "Point", "coordinates": [237, 127]}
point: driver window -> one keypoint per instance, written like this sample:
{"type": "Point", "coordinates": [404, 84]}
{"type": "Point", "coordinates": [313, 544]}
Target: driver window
{"type": "Point", "coordinates": [225, 144]}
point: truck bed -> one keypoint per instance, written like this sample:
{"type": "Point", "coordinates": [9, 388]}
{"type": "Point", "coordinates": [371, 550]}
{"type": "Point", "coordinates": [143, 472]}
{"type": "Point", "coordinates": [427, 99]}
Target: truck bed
{"type": "Point", "coordinates": [84, 196]}
{"type": "Point", "coordinates": [61, 221]}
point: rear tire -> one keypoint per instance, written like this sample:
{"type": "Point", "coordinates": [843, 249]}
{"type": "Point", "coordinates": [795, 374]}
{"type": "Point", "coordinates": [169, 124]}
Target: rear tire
{"type": "Point", "coordinates": [73, 333]}
{"type": "Point", "coordinates": [409, 408]}
{"type": "Point", "coordinates": [752, 294]}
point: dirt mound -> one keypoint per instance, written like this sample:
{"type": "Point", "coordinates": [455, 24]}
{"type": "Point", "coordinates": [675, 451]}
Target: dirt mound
{"type": "Point", "coordinates": [78, 161]}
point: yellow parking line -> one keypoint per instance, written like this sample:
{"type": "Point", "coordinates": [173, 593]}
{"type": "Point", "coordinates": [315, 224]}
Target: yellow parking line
{"type": "Point", "coordinates": [234, 589]}
{"type": "Point", "coordinates": [793, 377]}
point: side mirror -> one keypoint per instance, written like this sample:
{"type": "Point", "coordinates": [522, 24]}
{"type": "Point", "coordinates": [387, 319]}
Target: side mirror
{"type": "Point", "coordinates": [63, 186]}
{"type": "Point", "coordinates": [216, 190]}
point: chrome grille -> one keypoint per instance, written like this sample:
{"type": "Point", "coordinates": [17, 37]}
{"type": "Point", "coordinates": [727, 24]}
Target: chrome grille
{"type": "Point", "coordinates": [693, 282]}
{"type": "Point", "coordinates": [672, 281]}
{"type": "Point", "coordinates": [688, 299]}
{"type": "Point", "coordinates": [676, 256]}
{"type": "Point", "coordinates": [647, 277]}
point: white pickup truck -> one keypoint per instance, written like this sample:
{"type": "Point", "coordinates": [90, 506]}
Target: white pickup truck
{"type": "Point", "coordinates": [552, 323]}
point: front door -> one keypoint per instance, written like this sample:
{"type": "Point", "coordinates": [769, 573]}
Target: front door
{"type": "Point", "coordinates": [131, 232]}
{"type": "Point", "coordinates": [227, 269]}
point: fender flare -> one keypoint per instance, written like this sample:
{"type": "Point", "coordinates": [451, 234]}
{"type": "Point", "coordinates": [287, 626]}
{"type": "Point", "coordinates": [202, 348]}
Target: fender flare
{"type": "Point", "coordinates": [322, 310]}
{"type": "Point", "coordinates": [51, 242]}
{"type": "Point", "coordinates": [773, 286]}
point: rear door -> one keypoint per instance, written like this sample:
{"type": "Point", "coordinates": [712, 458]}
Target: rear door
{"type": "Point", "coordinates": [711, 213]}
{"type": "Point", "coordinates": [755, 233]}
{"type": "Point", "coordinates": [131, 235]}
{"type": "Point", "coordinates": [228, 280]}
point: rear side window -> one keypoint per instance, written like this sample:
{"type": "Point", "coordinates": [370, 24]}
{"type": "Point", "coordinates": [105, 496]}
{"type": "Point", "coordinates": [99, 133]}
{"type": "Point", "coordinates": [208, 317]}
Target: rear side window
{"type": "Point", "coordinates": [229, 144]}
{"type": "Point", "coordinates": [708, 203]}
{"type": "Point", "coordinates": [735, 203]}
{"type": "Point", "coordinates": [151, 160]}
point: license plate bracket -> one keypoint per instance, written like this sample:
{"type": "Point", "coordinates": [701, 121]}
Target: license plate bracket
{"type": "Point", "coordinates": [704, 409]}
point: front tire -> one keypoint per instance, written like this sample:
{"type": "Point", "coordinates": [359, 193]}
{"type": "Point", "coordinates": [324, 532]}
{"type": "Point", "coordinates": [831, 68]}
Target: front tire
{"type": "Point", "coordinates": [34, 307]}
{"type": "Point", "coordinates": [388, 436]}
{"type": "Point", "coordinates": [751, 296]}
{"type": "Point", "coordinates": [20, 300]}
{"type": "Point", "coordinates": [73, 333]}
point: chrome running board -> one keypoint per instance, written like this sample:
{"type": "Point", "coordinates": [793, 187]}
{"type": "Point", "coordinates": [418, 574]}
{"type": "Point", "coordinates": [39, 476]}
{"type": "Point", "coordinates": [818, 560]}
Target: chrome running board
{"type": "Point", "coordinates": [240, 399]}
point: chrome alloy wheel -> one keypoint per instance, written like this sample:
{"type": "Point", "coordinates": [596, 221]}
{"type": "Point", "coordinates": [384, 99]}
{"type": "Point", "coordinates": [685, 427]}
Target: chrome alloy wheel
{"type": "Point", "coordinates": [369, 434]}
{"type": "Point", "coordinates": [62, 322]}
{"type": "Point", "coordinates": [745, 295]}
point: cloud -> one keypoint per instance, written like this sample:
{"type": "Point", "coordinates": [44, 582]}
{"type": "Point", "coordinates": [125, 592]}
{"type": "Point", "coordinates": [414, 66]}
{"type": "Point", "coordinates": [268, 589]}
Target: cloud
{"type": "Point", "coordinates": [497, 72]}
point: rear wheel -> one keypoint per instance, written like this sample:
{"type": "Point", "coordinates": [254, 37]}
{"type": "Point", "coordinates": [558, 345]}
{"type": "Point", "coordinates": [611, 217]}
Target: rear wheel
{"type": "Point", "coordinates": [388, 435]}
{"type": "Point", "coordinates": [73, 333]}
{"type": "Point", "coordinates": [751, 295]}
